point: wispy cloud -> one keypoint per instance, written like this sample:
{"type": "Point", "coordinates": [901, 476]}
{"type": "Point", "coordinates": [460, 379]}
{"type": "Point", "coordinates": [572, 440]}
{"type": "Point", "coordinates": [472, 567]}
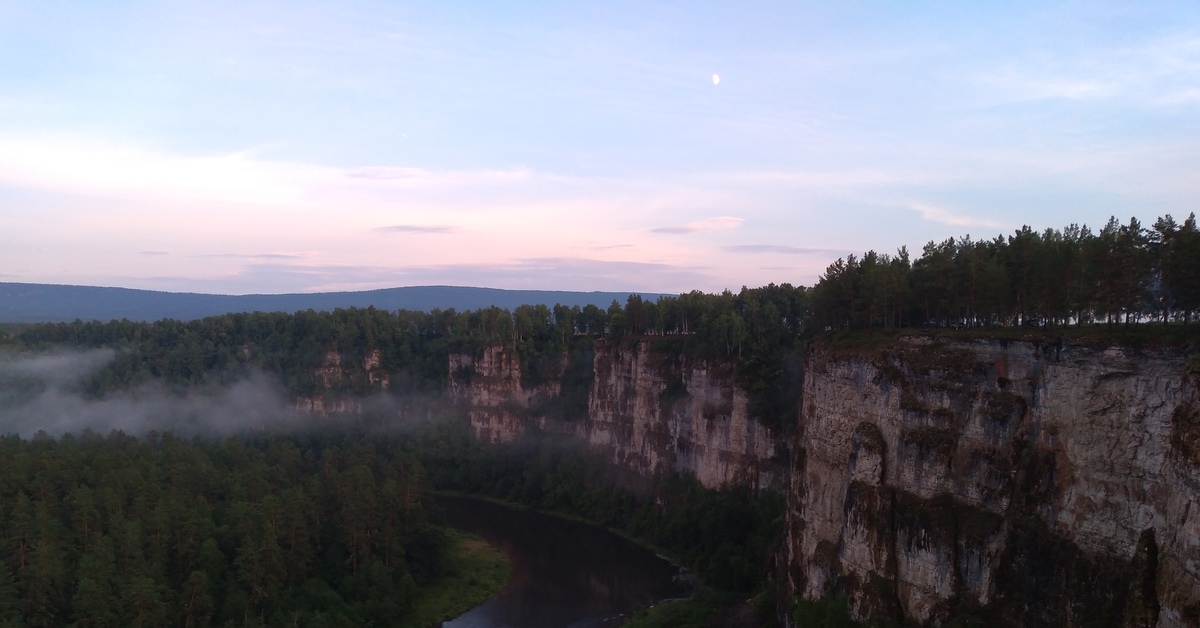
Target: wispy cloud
{"type": "Point", "coordinates": [416, 229]}
{"type": "Point", "coordinates": [719, 223]}
{"type": "Point", "coordinates": [389, 174]}
{"type": "Point", "coordinates": [604, 247]}
{"type": "Point", "coordinates": [1181, 97]}
{"type": "Point", "coordinates": [421, 175]}
{"type": "Point", "coordinates": [83, 165]}
{"type": "Point", "coordinates": [253, 255]}
{"type": "Point", "coordinates": [780, 249]}
{"type": "Point", "coordinates": [1155, 72]}
{"type": "Point", "coordinates": [848, 178]}
{"type": "Point", "coordinates": [946, 216]}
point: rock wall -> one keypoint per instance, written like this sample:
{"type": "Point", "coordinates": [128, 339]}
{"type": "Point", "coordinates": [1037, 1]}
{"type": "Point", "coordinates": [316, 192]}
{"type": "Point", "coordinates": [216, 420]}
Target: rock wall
{"type": "Point", "coordinates": [333, 374]}
{"type": "Point", "coordinates": [1012, 482]}
{"type": "Point", "coordinates": [648, 412]}
{"type": "Point", "coordinates": [1024, 484]}
{"type": "Point", "coordinates": [499, 407]}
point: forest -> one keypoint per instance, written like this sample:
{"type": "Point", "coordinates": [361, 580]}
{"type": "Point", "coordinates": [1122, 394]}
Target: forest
{"type": "Point", "coordinates": [725, 536]}
{"type": "Point", "coordinates": [327, 527]}
{"type": "Point", "coordinates": [337, 528]}
{"type": "Point", "coordinates": [761, 327]}
{"type": "Point", "coordinates": [153, 531]}
{"type": "Point", "coordinates": [1123, 274]}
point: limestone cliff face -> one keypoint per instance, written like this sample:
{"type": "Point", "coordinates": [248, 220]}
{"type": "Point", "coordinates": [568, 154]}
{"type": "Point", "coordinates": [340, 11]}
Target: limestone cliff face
{"type": "Point", "coordinates": [1043, 485]}
{"type": "Point", "coordinates": [647, 412]}
{"type": "Point", "coordinates": [651, 412]}
{"type": "Point", "coordinates": [336, 373]}
{"type": "Point", "coordinates": [499, 407]}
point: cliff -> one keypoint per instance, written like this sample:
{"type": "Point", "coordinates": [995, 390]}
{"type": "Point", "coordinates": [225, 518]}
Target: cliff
{"type": "Point", "coordinates": [500, 408]}
{"type": "Point", "coordinates": [337, 375]}
{"type": "Point", "coordinates": [653, 411]}
{"type": "Point", "coordinates": [1025, 484]}
{"type": "Point", "coordinates": [1011, 482]}
{"type": "Point", "coordinates": [648, 411]}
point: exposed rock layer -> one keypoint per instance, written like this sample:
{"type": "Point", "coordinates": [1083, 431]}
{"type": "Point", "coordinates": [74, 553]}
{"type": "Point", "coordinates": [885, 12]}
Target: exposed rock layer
{"type": "Point", "coordinates": [1026, 484]}
{"type": "Point", "coordinates": [1045, 485]}
{"type": "Point", "coordinates": [648, 412]}
{"type": "Point", "coordinates": [499, 406]}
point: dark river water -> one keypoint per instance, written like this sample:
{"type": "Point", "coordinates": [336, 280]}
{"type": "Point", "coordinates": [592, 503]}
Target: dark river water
{"type": "Point", "coordinates": [564, 573]}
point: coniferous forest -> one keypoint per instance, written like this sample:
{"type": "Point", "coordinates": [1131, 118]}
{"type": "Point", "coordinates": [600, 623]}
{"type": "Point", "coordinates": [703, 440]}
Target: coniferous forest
{"type": "Point", "coordinates": [336, 526]}
{"type": "Point", "coordinates": [1124, 273]}
{"type": "Point", "coordinates": [155, 531]}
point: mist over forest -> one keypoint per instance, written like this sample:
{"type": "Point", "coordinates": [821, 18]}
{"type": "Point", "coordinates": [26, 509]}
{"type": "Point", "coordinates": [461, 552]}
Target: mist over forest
{"type": "Point", "coordinates": [363, 391]}
{"type": "Point", "coordinates": [44, 393]}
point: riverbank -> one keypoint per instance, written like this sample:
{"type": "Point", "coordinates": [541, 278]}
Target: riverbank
{"type": "Point", "coordinates": [566, 516]}
{"type": "Point", "coordinates": [711, 609]}
{"type": "Point", "coordinates": [564, 571]}
{"type": "Point", "coordinates": [475, 573]}
{"type": "Point", "coordinates": [705, 607]}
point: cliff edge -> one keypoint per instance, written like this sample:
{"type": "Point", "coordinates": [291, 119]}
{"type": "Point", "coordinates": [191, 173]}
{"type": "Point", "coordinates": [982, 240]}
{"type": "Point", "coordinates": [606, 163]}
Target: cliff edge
{"type": "Point", "coordinates": [648, 411]}
{"type": "Point", "coordinates": [1030, 484]}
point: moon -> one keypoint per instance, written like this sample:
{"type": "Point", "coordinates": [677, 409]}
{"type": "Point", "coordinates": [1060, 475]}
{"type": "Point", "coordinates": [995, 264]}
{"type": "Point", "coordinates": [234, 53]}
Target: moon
{"type": "Point", "coordinates": [716, 80]}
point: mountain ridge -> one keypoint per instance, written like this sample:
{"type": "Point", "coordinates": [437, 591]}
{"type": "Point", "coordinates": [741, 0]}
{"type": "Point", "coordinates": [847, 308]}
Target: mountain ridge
{"type": "Point", "coordinates": [40, 303]}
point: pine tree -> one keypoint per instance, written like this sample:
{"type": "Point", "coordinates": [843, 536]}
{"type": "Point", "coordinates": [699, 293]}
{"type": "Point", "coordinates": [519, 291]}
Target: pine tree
{"type": "Point", "coordinates": [96, 598]}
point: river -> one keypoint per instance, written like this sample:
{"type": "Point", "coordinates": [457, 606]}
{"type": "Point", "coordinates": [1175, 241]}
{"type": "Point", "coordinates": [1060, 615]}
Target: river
{"type": "Point", "coordinates": [564, 573]}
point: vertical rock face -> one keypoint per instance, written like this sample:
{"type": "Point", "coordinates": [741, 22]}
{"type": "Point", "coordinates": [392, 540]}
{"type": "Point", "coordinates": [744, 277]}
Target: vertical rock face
{"type": "Point", "coordinates": [342, 382]}
{"type": "Point", "coordinates": [648, 412]}
{"type": "Point", "coordinates": [1043, 485]}
{"type": "Point", "coordinates": [499, 407]}
{"type": "Point", "coordinates": [375, 374]}
{"type": "Point", "coordinates": [651, 411]}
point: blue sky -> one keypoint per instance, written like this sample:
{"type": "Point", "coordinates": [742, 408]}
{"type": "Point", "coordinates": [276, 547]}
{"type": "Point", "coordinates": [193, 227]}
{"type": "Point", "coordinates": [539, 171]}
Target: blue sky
{"type": "Point", "coordinates": [280, 147]}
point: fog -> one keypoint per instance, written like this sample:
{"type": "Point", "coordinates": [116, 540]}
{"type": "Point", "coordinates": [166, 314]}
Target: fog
{"type": "Point", "coordinates": [42, 392]}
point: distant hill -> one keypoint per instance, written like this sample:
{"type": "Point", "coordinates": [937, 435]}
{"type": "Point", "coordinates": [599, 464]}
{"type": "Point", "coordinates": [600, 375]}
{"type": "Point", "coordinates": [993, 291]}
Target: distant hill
{"type": "Point", "coordinates": [36, 303]}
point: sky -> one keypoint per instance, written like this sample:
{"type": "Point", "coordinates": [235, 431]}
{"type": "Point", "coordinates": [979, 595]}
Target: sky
{"type": "Point", "coordinates": [273, 147]}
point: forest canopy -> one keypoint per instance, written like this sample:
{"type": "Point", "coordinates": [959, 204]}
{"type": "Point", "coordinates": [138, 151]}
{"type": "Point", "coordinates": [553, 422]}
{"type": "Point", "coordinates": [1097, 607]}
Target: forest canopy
{"type": "Point", "coordinates": [1124, 273]}
{"type": "Point", "coordinates": [120, 531]}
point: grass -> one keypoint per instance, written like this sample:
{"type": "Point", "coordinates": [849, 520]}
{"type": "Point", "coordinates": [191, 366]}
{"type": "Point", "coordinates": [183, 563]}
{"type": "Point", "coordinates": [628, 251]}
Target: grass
{"type": "Point", "coordinates": [699, 610]}
{"type": "Point", "coordinates": [569, 517]}
{"type": "Point", "coordinates": [476, 572]}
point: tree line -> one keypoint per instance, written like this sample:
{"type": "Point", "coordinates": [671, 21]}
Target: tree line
{"type": "Point", "coordinates": [158, 531]}
{"type": "Point", "coordinates": [1124, 273]}
{"type": "Point", "coordinates": [758, 328]}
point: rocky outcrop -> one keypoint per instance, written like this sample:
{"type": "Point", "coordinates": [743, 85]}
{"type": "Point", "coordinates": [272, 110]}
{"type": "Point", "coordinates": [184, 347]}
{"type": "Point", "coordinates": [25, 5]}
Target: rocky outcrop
{"type": "Point", "coordinates": [499, 407]}
{"type": "Point", "coordinates": [323, 408]}
{"type": "Point", "coordinates": [652, 411]}
{"type": "Point", "coordinates": [648, 412]}
{"type": "Point", "coordinates": [342, 384]}
{"type": "Point", "coordinates": [1031, 484]}
{"type": "Point", "coordinates": [376, 375]}
{"type": "Point", "coordinates": [1017, 483]}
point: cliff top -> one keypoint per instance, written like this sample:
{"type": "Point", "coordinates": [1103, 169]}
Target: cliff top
{"type": "Point", "coordinates": [1146, 336]}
